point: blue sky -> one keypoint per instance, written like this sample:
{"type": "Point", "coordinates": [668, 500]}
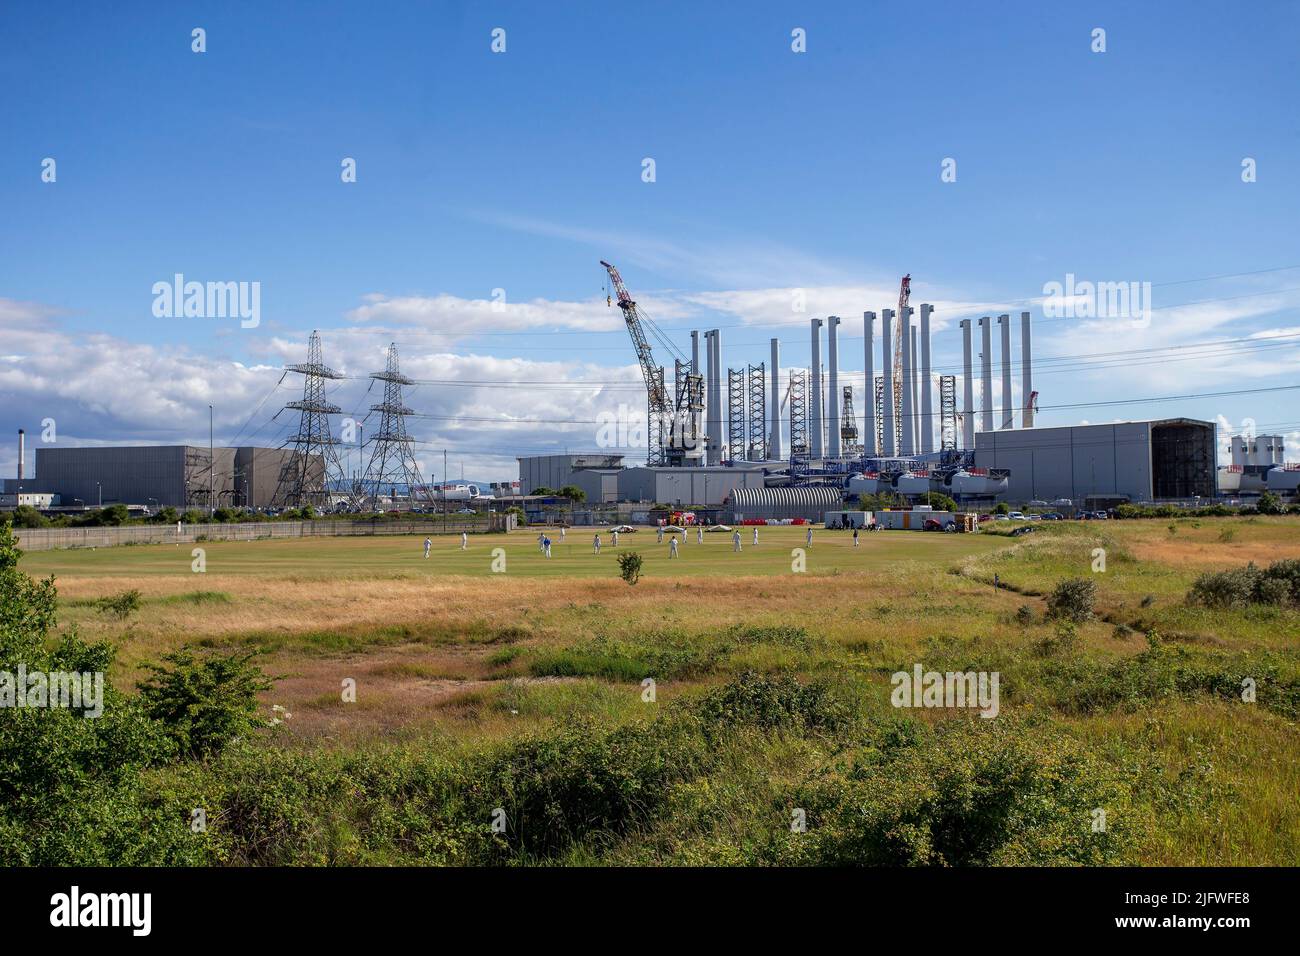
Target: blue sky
{"type": "Point", "coordinates": [518, 171]}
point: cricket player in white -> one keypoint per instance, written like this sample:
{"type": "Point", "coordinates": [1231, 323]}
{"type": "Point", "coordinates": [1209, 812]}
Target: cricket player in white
{"type": "Point", "coordinates": [735, 540]}
{"type": "Point", "coordinates": [428, 543]}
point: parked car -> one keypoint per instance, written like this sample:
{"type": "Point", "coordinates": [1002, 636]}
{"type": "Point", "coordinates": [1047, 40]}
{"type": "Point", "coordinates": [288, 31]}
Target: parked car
{"type": "Point", "coordinates": [985, 517]}
{"type": "Point", "coordinates": [1016, 516]}
{"type": "Point", "coordinates": [1052, 516]}
{"type": "Point", "coordinates": [1001, 517]}
{"type": "Point", "coordinates": [466, 511]}
{"type": "Point", "coordinates": [932, 524]}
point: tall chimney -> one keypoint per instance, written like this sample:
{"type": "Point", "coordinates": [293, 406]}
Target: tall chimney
{"type": "Point", "coordinates": [909, 418]}
{"type": "Point", "coordinates": [986, 365]}
{"type": "Point", "coordinates": [1008, 412]}
{"type": "Point", "coordinates": [774, 450]}
{"type": "Point", "coordinates": [869, 390]}
{"type": "Point", "coordinates": [890, 448]}
{"type": "Point", "coordinates": [815, 399]}
{"type": "Point", "coordinates": [1026, 374]}
{"type": "Point", "coordinates": [968, 390]}
{"type": "Point", "coordinates": [916, 391]}
{"type": "Point", "coordinates": [927, 409]}
{"type": "Point", "coordinates": [22, 453]}
{"type": "Point", "coordinates": [715, 419]}
{"type": "Point", "coordinates": [695, 353]}
{"type": "Point", "coordinates": [833, 414]}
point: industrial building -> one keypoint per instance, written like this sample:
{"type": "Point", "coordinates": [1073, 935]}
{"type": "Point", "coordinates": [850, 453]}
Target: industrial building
{"type": "Point", "coordinates": [688, 486]}
{"type": "Point", "coordinates": [1129, 461]}
{"type": "Point", "coordinates": [596, 474]}
{"type": "Point", "coordinates": [156, 476]}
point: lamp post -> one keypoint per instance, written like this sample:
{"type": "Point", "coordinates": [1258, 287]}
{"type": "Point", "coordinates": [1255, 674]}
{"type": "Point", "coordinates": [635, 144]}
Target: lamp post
{"type": "Point", "coordinates": [100, 491]}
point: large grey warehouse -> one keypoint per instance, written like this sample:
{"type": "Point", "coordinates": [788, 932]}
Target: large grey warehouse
{"type": "Point", "coordinates": [158, 475]}
{"type": "Point", "coordinates": [1137, 461]}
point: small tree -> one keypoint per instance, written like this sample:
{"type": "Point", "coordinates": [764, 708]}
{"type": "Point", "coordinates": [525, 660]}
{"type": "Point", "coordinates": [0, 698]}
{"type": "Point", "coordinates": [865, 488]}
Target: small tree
{"type": "Point", "coordinates": [939, 501]}
{"type": "Point", "coordinates": [629, 567]}
{"type": "Point", "coordinates": [1270, 504]}
{"type": "Point", "coordinates": [1001, 508]}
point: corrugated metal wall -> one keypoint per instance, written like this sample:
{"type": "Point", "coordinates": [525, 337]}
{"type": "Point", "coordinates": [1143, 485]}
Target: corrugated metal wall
{"type": "Point", "coordinates": [810, 502]}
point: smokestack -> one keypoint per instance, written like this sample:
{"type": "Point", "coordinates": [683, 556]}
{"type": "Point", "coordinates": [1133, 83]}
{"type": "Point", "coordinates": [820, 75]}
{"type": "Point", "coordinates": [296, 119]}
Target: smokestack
{"type": "Point", "coordinates": [1008, 412]}
{"type": "Point", "coordinates": [909, 431]}
{"type": "Point", "coordinates": [890, 449]}
{"type": "Point", "coordinates": [22, 452]}
{"type": "Point", "coordinates": [833, 416]}
{"type": "Point", "coordinates": [1026, 373]}
{"type": "Point", "coordinates": [815, 399]}
{"type": "Point", "coordinates": [869, 390]}
{"type": "Point", "coordinates": [968, 390]}
{"type": "Point", "coordinates": [986, 365]}
{"type": "Point", "coordinates": [713, 449]}
{"type": "Point", "coordinates": [927, 409]}
{"type": "Point", "coordinates": [774, 450]}
{"type": "Point", "coordinates": [916, 388]}
{"type": "Point", "coordinates": [695, 353]}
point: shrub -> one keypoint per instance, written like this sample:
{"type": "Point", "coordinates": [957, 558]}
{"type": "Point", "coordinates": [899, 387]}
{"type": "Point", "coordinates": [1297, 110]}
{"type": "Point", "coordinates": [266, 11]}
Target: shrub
{"type": "Point", "coordinates": [773, 702]}
{"type": "Point", "coordinates": [629, 567]}
{"type": "Point", "coordinates": [1024, 615]}
{"type": "Point", "coordinates": [121, 605]}
{"type": "Point", "coordinates": [1279, 583]}
{"type": "Point", "coordinates": [970, 793]}
{"type": "Point", "coordinates": [204, 702]}
{"type": "Point", "coordinates": [1072, 600]}
{"type": "Point", "coordinates": [1269, 504]}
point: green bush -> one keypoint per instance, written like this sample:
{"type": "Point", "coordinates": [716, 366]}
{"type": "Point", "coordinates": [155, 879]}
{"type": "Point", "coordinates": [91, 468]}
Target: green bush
{"type": "Point", "coordinates": [1072, 600]}
{"type": "Point", "coordinates": [121, 605]}
{"type": "Point", "coordinates": [938, 501]}
{"type": "Point", "coordinates": [968, 793]}
{"type": "Point", "coordinates": [629, 567]}
{"type": "Point", "coordinates": [1279, 583]}
{"type": "Point", "coordinates": [204, 702]}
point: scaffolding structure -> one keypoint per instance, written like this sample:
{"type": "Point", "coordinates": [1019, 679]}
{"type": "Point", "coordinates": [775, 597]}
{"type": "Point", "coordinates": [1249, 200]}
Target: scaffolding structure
{"type": "Point", "coordinates": [947, 412]}
{"type": "Point", "coordinates": [686, 443]}
{"type": "Point", "coordinates": [757, 412]}
{"type": "Point", "coordinates": [735, 414]}
{"type": "Point", "coordinates": [849, 425]}
{"type": "Point", "coordinates": [880, 414]}
{"type": "Point", "coordinates": [798, 411]}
